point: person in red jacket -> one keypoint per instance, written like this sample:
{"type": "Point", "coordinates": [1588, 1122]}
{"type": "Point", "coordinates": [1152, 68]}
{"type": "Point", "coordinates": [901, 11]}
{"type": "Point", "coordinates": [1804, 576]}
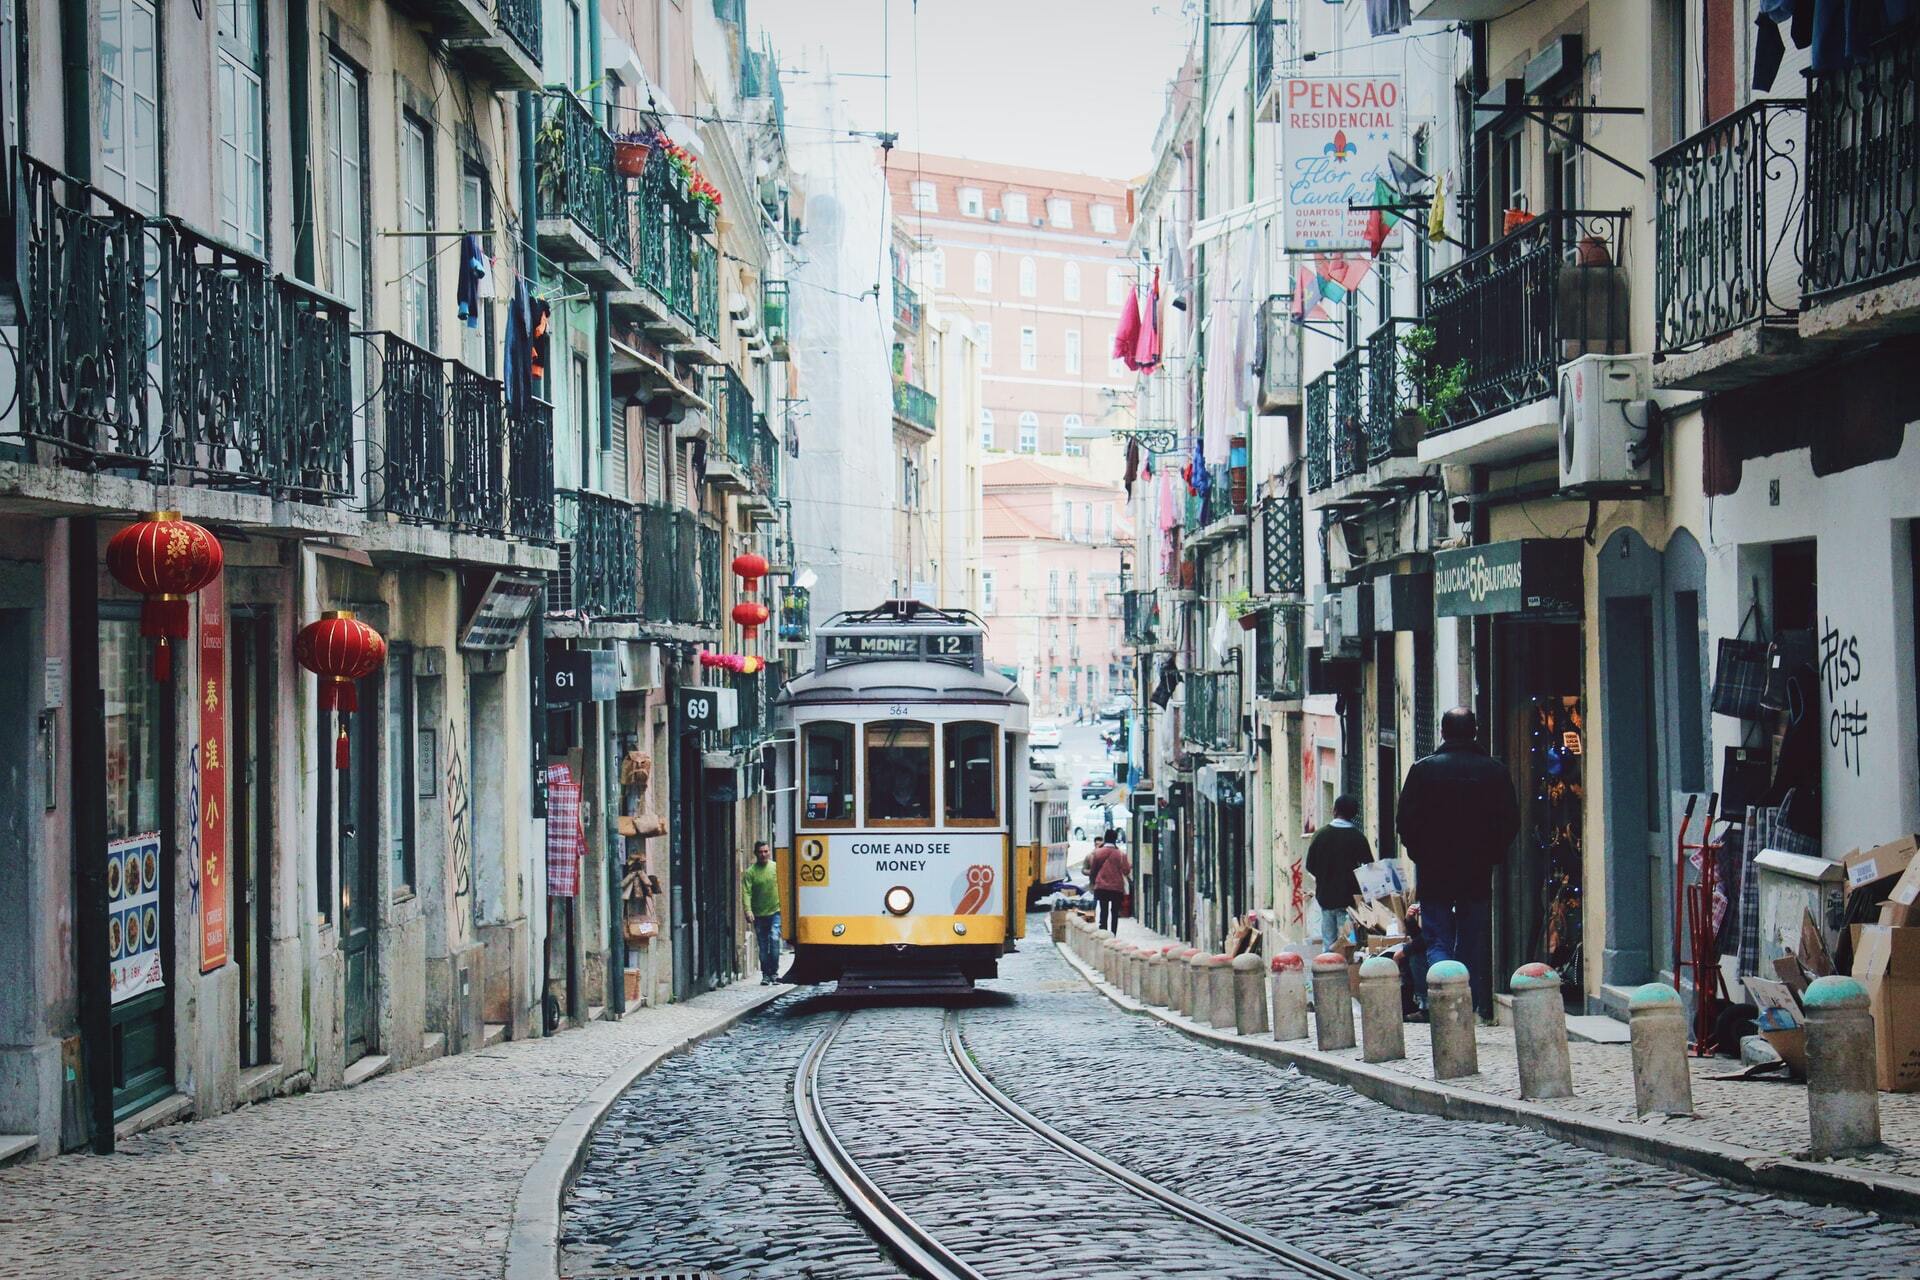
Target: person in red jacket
{"type": "Point", "coordinates": [1109, 868]}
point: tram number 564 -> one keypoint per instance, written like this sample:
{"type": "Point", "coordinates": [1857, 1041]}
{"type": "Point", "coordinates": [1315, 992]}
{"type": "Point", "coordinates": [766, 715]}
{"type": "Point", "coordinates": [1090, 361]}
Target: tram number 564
{"type": "Point", "coordinates": [812, 870]}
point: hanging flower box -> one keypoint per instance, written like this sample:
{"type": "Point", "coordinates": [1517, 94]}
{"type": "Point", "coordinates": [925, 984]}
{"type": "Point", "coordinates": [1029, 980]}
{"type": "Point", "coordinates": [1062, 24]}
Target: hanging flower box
{"type": "Point", "coordinates": [630, 152]}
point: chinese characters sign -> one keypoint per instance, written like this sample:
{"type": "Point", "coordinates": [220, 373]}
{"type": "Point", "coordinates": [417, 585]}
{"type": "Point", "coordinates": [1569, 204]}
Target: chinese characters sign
{"type": "Point", "coordinates": [133, 916]}
{"type": "Point", "coordinates": [213, 775]}
{"type": "Point", "coordinates": [1335, 133]}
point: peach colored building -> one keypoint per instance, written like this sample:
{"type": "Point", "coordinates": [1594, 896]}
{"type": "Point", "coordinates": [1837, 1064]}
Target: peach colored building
{"type": "Point", "coordinates": [1050, 583]}
{"type": "Point", "coordinates": [1038, 261]}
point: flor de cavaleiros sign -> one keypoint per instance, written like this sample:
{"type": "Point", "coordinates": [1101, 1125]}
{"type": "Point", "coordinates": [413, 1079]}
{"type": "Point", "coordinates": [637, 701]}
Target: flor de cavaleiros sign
{"type": "Point", "coordinates": [1335, 133]}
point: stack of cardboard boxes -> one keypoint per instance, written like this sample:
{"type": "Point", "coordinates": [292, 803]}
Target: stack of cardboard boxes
{"type": "Point", "coordinates": [1886, 955]}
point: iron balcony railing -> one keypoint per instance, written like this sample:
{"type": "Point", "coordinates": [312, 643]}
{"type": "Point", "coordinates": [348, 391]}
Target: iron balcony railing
{"type": "Point", "coordinates": [519, 20]}
{"type": "Point", "coordinates": [732, 416]}
{"type": "Point", "coordinates": [913, 405]}
{"type": "Point", "coordinates": [764, 468]}
{"type": "Point", "coordinates": [573, 169]}
{"type": "Point", "coordinates": [1283, 546]}
{"type": "Point", "coordinates": [906, 306]}
{"type": "Point", "coordinates": [686, 251]}
{"type": "Point", "coordinates": [673, 574]}
{"type": "Point", "coordinates": [530, 471]}
{"type": "Point", "coordinates": [1348, 412]}
{"type": "Point", "coordinates": [773, 315]}
{"type": "Point", "coordinates": [1863, 171]}
{"type": "Point", "coordinates": [1319, 440]}
{"type": "Point", "coordinates": [1393, 393]}
{"type": "Point", "coordinates": [1140, 614]}
{"type": "Point", "coordinates": [706, 285]}
{"type": "Point", "coordinates": [1728, 225]}
{"type": "Point", "coordinates": [150, 347]}
{"type": "Point", "coordinates": [657, 220]}
{"type": "Point", "coordinates": [600, 561]}
{"type": "Point", "coordinates": [477, 491]}
{"type": "Point", "coordinates": [707, 538]}
{"type": "Point", "coordinates": [413, 404]}
{"type": "Point", "coordinates": [1212, 710]}
{"type": "Point", "coordinates": [1518, 309]}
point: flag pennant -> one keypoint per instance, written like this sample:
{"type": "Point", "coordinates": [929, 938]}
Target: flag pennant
{"type": "Point", "coordinates": [1383, 217]}
{"type": "Point", "coordinates": [1406, 174]}
{"type": "Point", "coordinates": [1437, 212]}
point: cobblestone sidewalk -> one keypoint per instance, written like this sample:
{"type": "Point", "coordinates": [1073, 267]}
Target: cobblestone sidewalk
{"type": "Point", "coordinates": [1765, 1120]}
{"type": "Point", "coordinates": [413, 1174]}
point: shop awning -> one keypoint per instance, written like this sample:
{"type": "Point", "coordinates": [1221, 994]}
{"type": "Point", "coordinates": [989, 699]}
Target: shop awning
{"type": "Point", "coordinates": [1537, 577]}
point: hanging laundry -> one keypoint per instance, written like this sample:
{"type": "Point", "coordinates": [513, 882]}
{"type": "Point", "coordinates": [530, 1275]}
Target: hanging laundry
{"type": "Point", "coordinates": [1178, 277]}
{"type": "Point", "coordinates": [1384, 17]}
{"type": "Point", "coordinates": [1127, 335]}
{"type": "Point", "coordinates": [1133, 465]}
{"type": "Point", "coordinates": [539, 339]}
{"type": "Point", "coordinates": [1216, 401]}
{"type": "Point", "coordinates": [517, 362]}
{"type": "Point", "coordinates": [1249, 288]}
{"type": "Point", "coordinates": [1437, 211]}
{"type": "Point", "coordinates": [1768, 51]}
{"type": "Point", "coordinates": [473, 270]}
{"type": "Point", "coordinates": [1169, 504]}
{"type": "Point", "coordinates": [1146, 349]}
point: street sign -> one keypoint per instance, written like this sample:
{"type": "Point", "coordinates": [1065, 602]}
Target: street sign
{"type": "Point", "coordinates": [961, 647]}
{"type": "Point", "coordinates": [569, 677]}
{"type": "Point", "coordinates": [1539, 577]}
{"type": "Point", "coordinates": [702, 707]}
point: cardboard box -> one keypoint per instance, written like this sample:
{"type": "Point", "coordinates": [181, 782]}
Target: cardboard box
{"type": "Point", "coordinates": [1870, 866]}
{"type": "Point", "coordinates": [1887, 962]}
{"type": "Point", "coordinates": [1900, 908]}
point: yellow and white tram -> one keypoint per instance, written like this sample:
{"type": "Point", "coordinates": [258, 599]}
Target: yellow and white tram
{"type": "Point", "coordinates": [903, 845]}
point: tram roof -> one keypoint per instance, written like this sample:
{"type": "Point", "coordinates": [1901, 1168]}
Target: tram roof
{"type": "Point", "coordinates": [902, 682]}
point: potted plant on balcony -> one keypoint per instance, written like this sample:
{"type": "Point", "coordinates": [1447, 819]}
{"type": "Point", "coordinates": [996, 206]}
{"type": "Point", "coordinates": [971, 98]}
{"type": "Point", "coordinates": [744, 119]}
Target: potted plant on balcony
{"type": "Point", "coordinates": [1435, 389]}
{"type": "Point", "coordinates": [630, 152]}
{"type": "Point", "coordinates": [1246, 610]}
{"type": "Point", "coordinates": [705, 206]}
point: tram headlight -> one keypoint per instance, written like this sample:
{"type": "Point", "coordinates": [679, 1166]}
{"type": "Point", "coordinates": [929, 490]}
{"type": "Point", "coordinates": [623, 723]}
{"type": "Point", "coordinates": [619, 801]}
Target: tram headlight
{"type": "Point", "coordinates": [899, 900]}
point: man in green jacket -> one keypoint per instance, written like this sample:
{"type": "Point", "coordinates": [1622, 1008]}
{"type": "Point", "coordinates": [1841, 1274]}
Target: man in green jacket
{"type": "Point", "coordinates": [760, 890]}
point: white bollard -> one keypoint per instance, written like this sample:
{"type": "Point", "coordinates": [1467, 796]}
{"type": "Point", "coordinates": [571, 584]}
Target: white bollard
{"type": "Point", "coordinates": [1383, 1034]}
{"type": "Point", "coordinates": [1289, 984]}
{"type": "Point", "coordinates": [1332, 1001]}
{"type": "Point", "coordinates": [1249, 995]}
{"type": "Point", "coordinates": [1540, 1033]}
{"type": "Point", "coordinates": [1843, 1100]}
{"type": "Point", "coordinates": [1219, 973]}
{"type": "Point", "coordinates": [1136, 972]}
{"type": "Point", "coordinates": [1657, 1024]}
{"type": "Point", "coordinates": [1451, 1021]}
{"type": "Point", "coordinates": [1157, 977]}
{"type": "Point", "coordinates": [1180, 980]}
{"type": "Point", "coordinates": [1199, 992]}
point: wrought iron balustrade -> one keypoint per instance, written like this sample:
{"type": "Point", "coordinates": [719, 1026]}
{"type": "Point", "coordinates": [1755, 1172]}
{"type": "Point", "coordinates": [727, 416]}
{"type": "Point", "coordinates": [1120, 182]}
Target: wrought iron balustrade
{"type": "Point", "coordinates": [1211, 717]}
{"type": "Point", "coordinates": [216, 316]}
{"type": "Point", "coordinates": [530, 471]}
{"type": "Point", "coordinates": [1348, 412]}
{"type": "Point", "coordinates": [765, 468]}
{"type": "Point", "coordinates": [519, 20]}
{"type": "Point", "coordinates": [655, 222]}
{"type": "Point", "coordinates": [1518, 309]}
{"type": "Point", "coordinates": [913, 404]}
{"type": "Point", "coordinates": [906, 306]}
{"type": "Point", "coordinates": [1319, 440]}
{"type": "Point", "coordinates": [602, 562]}
{"type": "Point", "coordinates": [684, 248]}
{"type": "Point", "coordinates": [773, 314]}
{"type": "Point", "coordinates": [1728, 225]}
{"type": "Point", "coordinates": [1140, 614]}
{"type": "Point", "coordinates": [663, 563]}
{"type": "Point", "coordinates": [732, 417]}
{"type": "Point", "coordinates": [707, 538]}
{"type": "Point", "coordinates": [1393, 391]}
{"type": "Point", "coordinates": [312, 392]}
{"type": "Point", "coordinates": [413, 410]}
{"type": "Point", "coordinates": [706, 288]}
{"type": "Point", "coordinates": [477, 416]}
{"type": "Point", "coordinates": [1283, 558]}
{"type": "Point", "coordinates": [1863, 171]}
{"type": "Point", "coordinates": [573, 168]}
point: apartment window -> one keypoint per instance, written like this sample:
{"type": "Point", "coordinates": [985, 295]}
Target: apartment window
{"type": "Point", "coordinates": [1070, 282]}
{"type": "Point", "coordinates": [1029, 348]}
{"type": "Point", "coordinates": [576, 47]}
{"type": "Point", "coordinates": [1102, 218]}
{"type": "Point", "coordinates": [1014, 204]}
{"type": "Point", "coordinates": [238, 73]}
{"type": "Point", "coordinates": [1029, 433]}
{"type": "Point", "coordinates": [1070, 428]}
{"type": "Point", "coordinates": [416, 214]}
{"type": "Point", "coordinates": [1053, 593]}
{"type": "Point", "coordinates": [925, 199]}
{"type": "Point", "coordinates": [1074, 449]}
{"type": "Point", "coordinates": [1073, 648]}
{"type": "Point", "coordinates": [906, 482]}
{"type": "Point", "coordinates": [970, 202]}
{"type": "Point", "coordinates": [1116, 286]}
{"type": "Point", "coordinates": [583, 417]}
{"type": "Point", "coordinates": [1060, 212]}
{"type": "Point", "coordinates": [130, 103]}
{"type": "Point", "coordinates": [346, 195]}
{"type": "Point", "coordinates": [982, 273]}
{"type": "Point", "coordinates": [986, 428]}
{"type": "Point", "coordinates": [987, 597]}
{"type": "Point", "coordinates": [983, 334]}
{"type": "Point", "coordinates": [476, 210]}
{"type": "Point", "coordinates": [1073, 350]}
{"type": "Point", "coordinates": [936, 269]}
{"type": "Point", "coordinates": [1029, 278]}
{"type": "Point", "coordinates": [1106, 521]}
{"type": "Point", "coordinates": [1073, 592]}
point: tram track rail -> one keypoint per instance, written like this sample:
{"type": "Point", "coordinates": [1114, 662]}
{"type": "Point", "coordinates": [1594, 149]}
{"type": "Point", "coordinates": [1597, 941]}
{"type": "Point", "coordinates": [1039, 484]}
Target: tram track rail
{"type": "Point", "coordinates": [920, 1250]}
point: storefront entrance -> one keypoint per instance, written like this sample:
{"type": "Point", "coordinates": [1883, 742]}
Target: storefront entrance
{"type": "Point", "coordinates": [358, 827]}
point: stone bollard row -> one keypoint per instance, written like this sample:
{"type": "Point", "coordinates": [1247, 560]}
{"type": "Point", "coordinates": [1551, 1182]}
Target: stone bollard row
{"type": "Point", "coordinates": [1289, 984]}
{"type": "Point", "coordinates": [1450, 1018]}
{"type": "Point", "coordinates": [1657, 1026]}
{"type": "Point", "coordinates": [1249, 996]}
{"type": "Point", "coordinates": [1332, 1001]}
{"type": "Point", "coordinates": [1199, 993]}
{"type": "Point", "coordinates": [1540, 1033]}
{"type": "Point", "coordinates": [1180, 979]}
{"type": "Point", "coordinates": [1383, 1033]}
{"type": "Point", "coordinates": [1156, 986]}
{"type": "Point", "coordinates": [1219, 972]}
{"type": "Point", "coordinates": [1137, 973]}
{"type": "Point", "coordinates": [1843, 1098]}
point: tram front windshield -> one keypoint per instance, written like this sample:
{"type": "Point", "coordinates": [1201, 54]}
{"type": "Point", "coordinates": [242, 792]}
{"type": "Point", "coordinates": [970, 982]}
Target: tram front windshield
{"type": "Point", "coordinates": [899, 772]}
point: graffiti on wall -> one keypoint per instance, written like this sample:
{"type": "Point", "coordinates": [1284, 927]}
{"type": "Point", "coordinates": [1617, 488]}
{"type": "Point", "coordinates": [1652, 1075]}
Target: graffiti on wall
{"type": "Point", "coordinates": [1841, 670]}
{"type": "Point", "coordinates": [459, 834]}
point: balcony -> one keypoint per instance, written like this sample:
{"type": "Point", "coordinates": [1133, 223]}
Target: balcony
{"type": "Point", "coordinates": [678, 571]}
{"type": "Point", "coordinates": [1283, 547]}
{"type": "Point", "coordinates": [913, 406]}
{"type": "Point", "coordinates": [600, 557]}
{"type": "Point", "coordinates": [1211, 720]}
{"type": "Point", "coordinates": [498, 39]}
{"type": "Point", "coordinates": [530, 472]}
{"type": "Point", "coordinates": [1863, 187]}
{"type": "Point", "coordinates": [1512, 314]}
{"type": "Point", "coordinates": [585, 216]}
{"type": "Point", "coordinates": [1140, 614]}
{"type": "Point", "coordinates": [477, 491]}
{"type": "Point", "coordinates": [906, 307]}
{"type": "Point", "coordinates": [763, 473]}
{"type": "Point", "coordinates": [1727, 246]}
{"type": "Point", "coordinates": [756, 695]}
{"type": "Point", "coordinates": [1348, 412]}
{"type": "Point", "coordinates": [674, 295]}
{"type": "Point", "coordinates": [773, 316]}
{"type": "Point", "coordinates": [1319, 434]}
{"type": "Point", "coordinates": [730, 452]}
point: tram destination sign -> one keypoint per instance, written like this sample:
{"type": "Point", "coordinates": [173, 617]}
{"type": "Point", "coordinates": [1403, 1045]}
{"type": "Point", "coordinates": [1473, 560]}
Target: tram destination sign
{"type": "Point", "coordinates": [962, 647]}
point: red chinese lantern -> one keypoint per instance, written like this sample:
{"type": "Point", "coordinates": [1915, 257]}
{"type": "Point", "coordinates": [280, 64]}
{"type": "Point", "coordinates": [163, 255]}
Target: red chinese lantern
{"type": "Point", "coordinates": [166, 559]}
{"type": "Point", "coordinates": [340, 649]}
{"type": "Point", "coordinates": [750, 568]}
{"type": "Point", "coordinates": [751, 615]}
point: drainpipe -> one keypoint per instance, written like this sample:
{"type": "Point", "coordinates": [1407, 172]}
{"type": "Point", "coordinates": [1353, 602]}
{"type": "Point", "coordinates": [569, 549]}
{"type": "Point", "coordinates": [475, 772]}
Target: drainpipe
{"type": "Point", "coordinates": [536, 625]}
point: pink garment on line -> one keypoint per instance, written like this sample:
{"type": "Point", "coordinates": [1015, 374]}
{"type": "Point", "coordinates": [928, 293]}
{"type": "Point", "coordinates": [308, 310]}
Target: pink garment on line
{"type": "Point", "coordinates": [1146, 351]}
{"type": "Point", "coordinates": [1127, 335]}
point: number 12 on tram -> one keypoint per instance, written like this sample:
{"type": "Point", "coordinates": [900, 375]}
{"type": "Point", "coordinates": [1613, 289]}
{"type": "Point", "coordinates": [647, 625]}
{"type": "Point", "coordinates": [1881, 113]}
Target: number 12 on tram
{"type": "Point", "coordinates": [902, 838]}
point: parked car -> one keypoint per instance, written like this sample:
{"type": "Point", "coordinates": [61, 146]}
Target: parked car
{"type": "Point", "coordinates": [1116, 710]}
{"type": "Point", "coordinates": [1096, 785]}
{"type": "Point", "coordinates": [1089, 820]}
{"type": "Point", "coordinates": [1043, 735]}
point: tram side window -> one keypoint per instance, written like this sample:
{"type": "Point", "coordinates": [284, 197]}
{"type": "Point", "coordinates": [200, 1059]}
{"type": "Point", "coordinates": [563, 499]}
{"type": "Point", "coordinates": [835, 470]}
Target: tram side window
{"type": "Point", "coordinates": [829, 793]}
{"type": "Point", "coordinates": [972, 793]}
{"type": "Point", "coordinates": [899, 773]}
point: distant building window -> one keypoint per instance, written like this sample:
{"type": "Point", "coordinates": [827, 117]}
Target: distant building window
{"type": "Point", "coordinates": [983, 273]}
{"type": "Point", "coordinates": [983, 332]}
{"type": "Point", "coordinates": [1029, 433]}
{"type": "Point", "coordinates": [987, 597]}
{"type": "Point", "coordinates": [1116, 286]}
{"type": "Point", "coordinates": [1070, 282]}
{"type": "Point", "coordinates": [1029, 349]}
{"type": "Point", "coordinates": [970, 203]}
{"type": "Point", "coordinates": [986, 428]}
{"type": "Point", "coordinates": [934, 268]}
{"type": "Point", "coordinates": [1060, 212]}
{"type": "Point", "coordinates": [1103, 217]}
{"type": "Point", "coordinates": [1074, 448]}
{"type": "Point", "coordinates": [1029, 278]}
{"type": "Point", "coordinates": [924, 197]}
{"type": "Point", "coordinates": [1014, 204]}
{"type": "Point", "coordinates": [1073, 351]}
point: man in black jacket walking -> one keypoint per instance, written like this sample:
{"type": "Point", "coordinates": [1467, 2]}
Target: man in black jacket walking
{"type": "Point", "coordinates": [1456, 817]}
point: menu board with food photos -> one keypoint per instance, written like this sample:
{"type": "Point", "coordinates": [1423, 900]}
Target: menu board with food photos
{"type": "Point", "coordinates": [133, 915]}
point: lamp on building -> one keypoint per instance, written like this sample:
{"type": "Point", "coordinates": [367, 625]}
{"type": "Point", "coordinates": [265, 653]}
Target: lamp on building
{"type": "Point", "coordinates": [165, 559]}
{"type": "Point", "coordinates": [340, 649]}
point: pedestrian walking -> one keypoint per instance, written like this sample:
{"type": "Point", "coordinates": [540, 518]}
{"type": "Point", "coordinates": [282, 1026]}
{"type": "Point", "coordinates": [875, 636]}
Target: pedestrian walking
{"type": "Point", "coordinates": [1457, 816]}
{"type": "Point", "coordinates": [1337, 849]}
{"type": "Point", "coordinates": [760, 889]}
{"type": "Point", "coordinates": [1109, 867]}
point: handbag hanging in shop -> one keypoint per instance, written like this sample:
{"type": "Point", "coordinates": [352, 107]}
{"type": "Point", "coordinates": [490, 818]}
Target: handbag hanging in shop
{"type": "Point", "coordinates": [1790, 653]}
{"type": "Point", "coordinates": [1740, 671]}
{"type": "Point", "coordinates": [1745, 775]}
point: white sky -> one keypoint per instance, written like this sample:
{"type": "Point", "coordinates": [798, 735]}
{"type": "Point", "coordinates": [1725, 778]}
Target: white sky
{"type": "Point", "coordinates": [1076, 85]}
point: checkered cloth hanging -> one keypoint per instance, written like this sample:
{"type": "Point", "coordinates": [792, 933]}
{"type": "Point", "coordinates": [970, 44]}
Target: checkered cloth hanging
{"type": "Point", "coordinates": [566, 841]}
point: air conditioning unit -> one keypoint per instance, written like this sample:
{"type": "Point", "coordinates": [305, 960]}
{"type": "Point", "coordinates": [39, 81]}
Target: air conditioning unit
{"type": "Point", "coordinates": [1609, 425]}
